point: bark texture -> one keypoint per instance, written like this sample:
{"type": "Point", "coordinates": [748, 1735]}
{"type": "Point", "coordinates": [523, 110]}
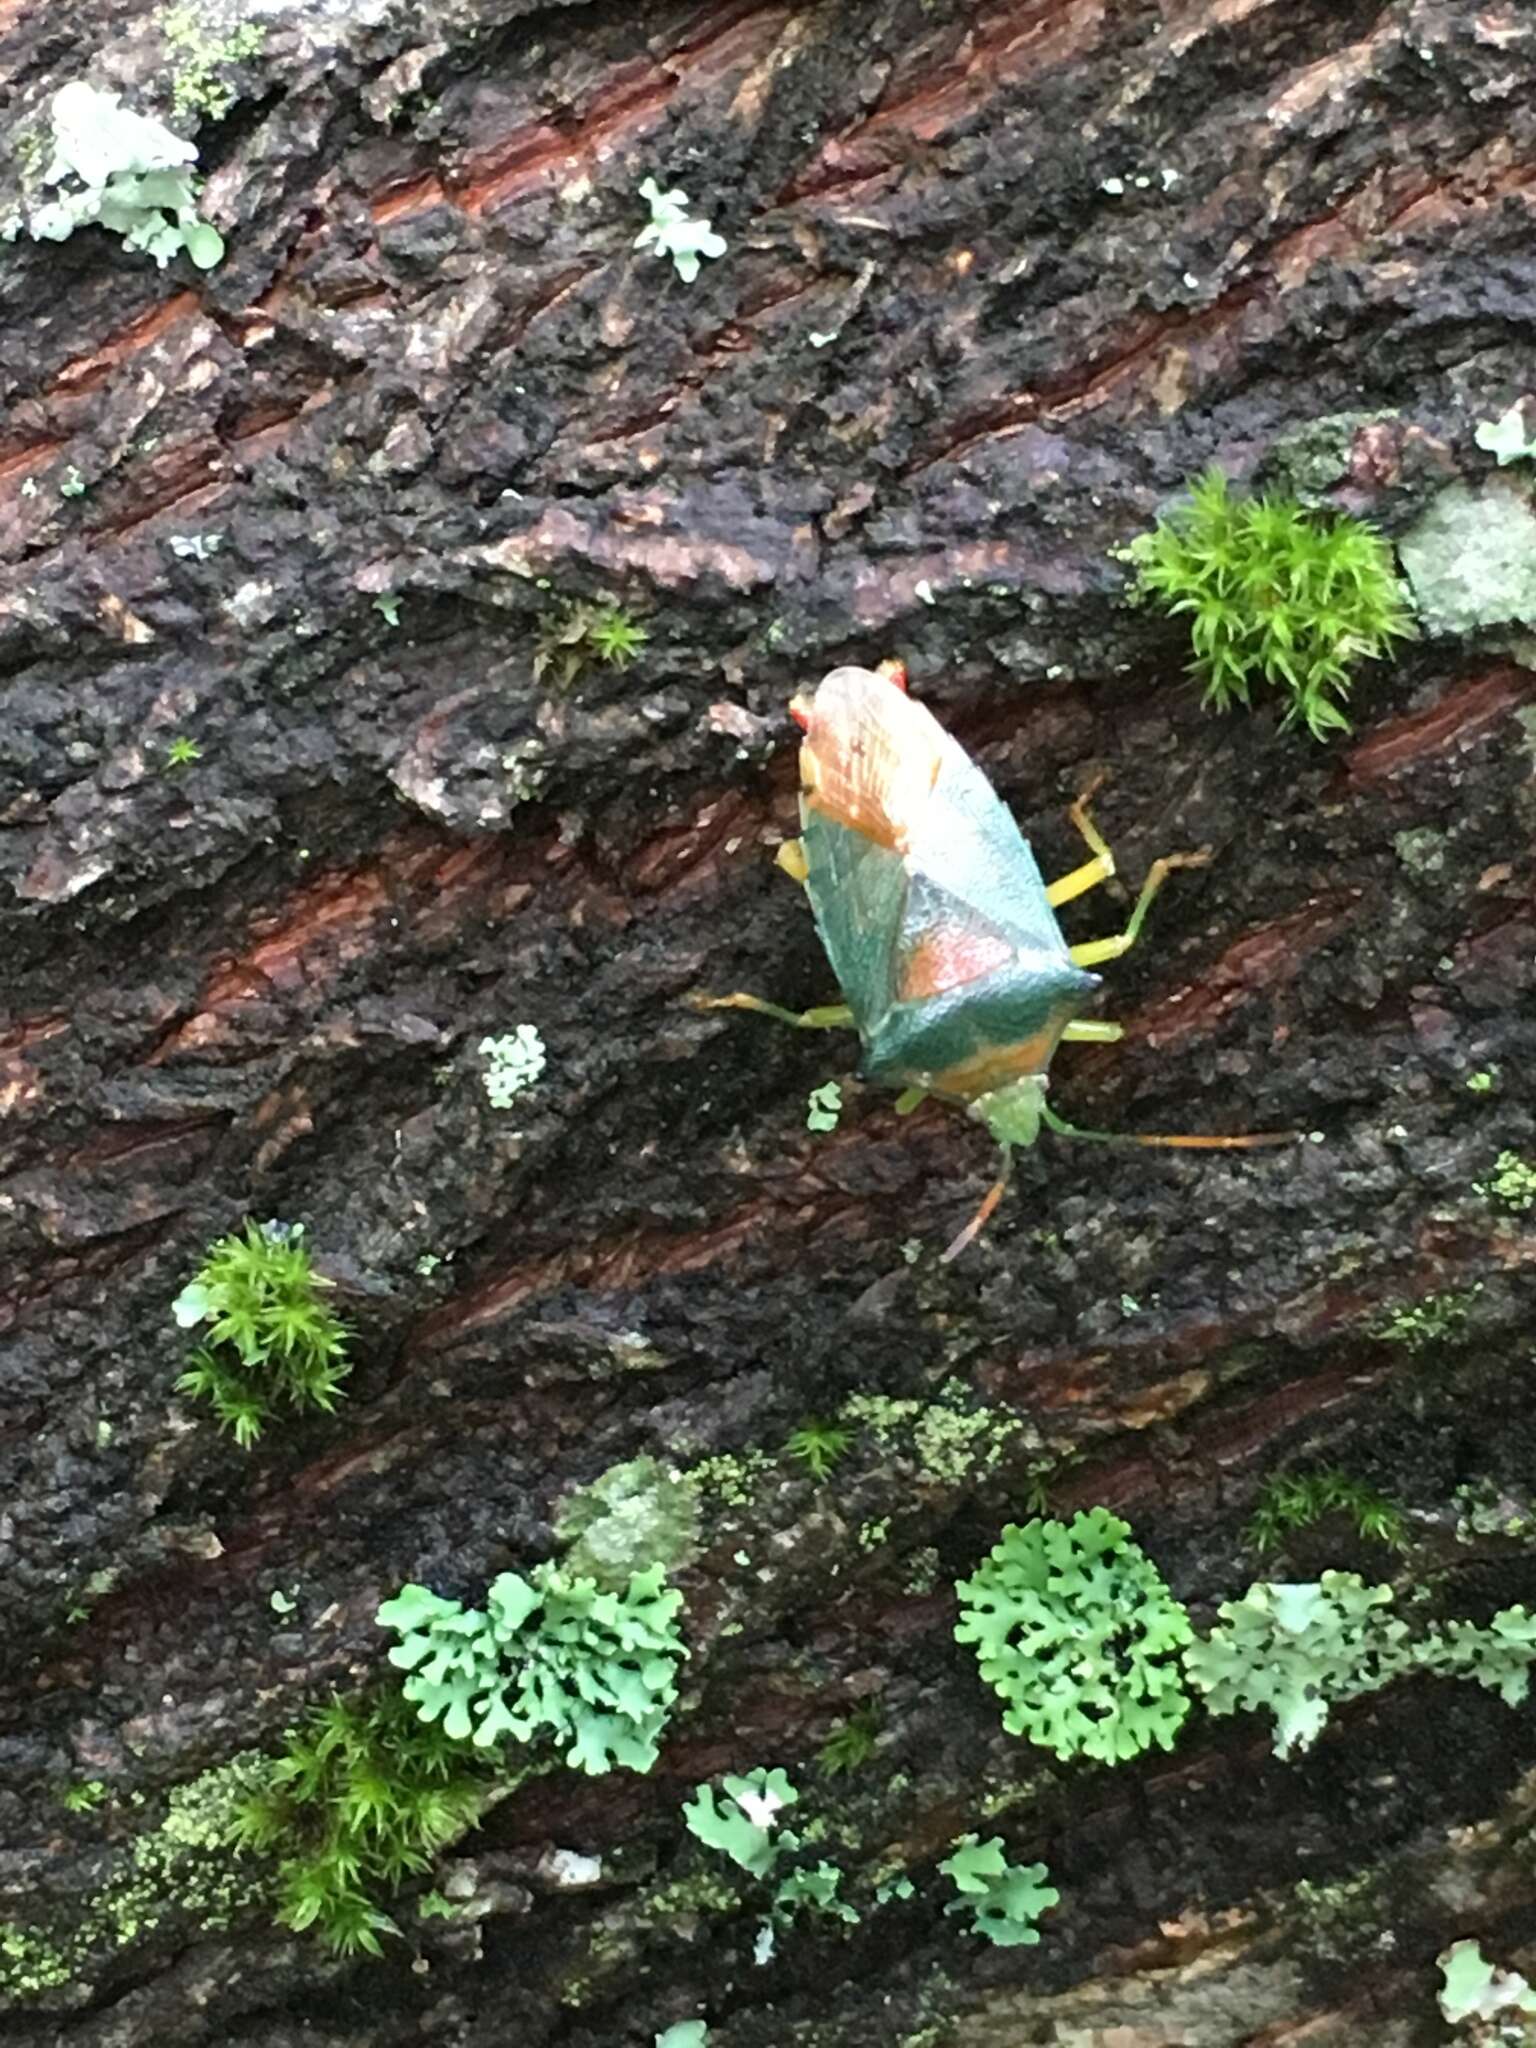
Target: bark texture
{"type": "Point", "coordinates": [1001, 274]}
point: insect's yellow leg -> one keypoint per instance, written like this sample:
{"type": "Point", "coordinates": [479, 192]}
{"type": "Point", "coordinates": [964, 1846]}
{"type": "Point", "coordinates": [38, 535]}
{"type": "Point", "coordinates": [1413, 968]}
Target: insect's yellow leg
{"type": "Point", "coordinates": [791, 858]}
{"type": "Point", "coordinates": [1092, 872]}
{"type": "Point", "coordinates": [908, 1100]}
{"type": "Point", "coordinates": [1080, 880]}
{"type": "Point", "coordinates": [1093, 1031]}
{"type": "Point", "coordinates": [830, 1017]}
{"type": "Point", "coordinates": [1097, 950]}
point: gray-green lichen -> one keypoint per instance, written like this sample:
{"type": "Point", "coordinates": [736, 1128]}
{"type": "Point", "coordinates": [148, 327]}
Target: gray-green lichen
{"type": "Point", "coordinates": [633, 1515]}
{"type": "Point", "coordinates": [1308, 461]}
{"type": "Point", "coordinates": [1421, 849]}
{"type": "Point", "coordinates": [1471, 558]}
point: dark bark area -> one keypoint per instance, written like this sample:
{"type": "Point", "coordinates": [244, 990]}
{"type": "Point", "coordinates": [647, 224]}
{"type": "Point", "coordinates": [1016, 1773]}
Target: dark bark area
{"type": "Point", "coordinates": [1000, 276]}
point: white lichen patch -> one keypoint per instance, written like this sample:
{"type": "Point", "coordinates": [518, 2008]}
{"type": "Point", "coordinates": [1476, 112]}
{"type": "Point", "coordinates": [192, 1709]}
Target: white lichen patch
{"type": "Point", "coordinates": [513, 1062]}
{"type": "Point", "coordinates": [670, 232]}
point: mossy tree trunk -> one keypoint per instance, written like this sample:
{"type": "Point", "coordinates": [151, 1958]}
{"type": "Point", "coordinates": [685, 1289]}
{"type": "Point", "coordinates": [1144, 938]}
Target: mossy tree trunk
{"type": "Point", "coordinates": [999, 277]}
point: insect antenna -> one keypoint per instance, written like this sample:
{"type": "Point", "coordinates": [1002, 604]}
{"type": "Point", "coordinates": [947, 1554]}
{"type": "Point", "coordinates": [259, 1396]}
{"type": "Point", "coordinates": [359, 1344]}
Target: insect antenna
{"type": "Point", "coordinates": [978, 1222]}
{"type": "Point", "coordinates": [1185, 1142]}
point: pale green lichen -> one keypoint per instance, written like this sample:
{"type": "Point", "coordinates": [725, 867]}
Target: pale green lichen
{"type": "Point", "coordinates": [179, 1870]}
{"type": "Point", "coordinates": [550, 1656]}
{"type": "Point", "coordinates": [670, 231]}
{"type": "Point", "coordinates": [1291, 1650]}
{"type": "Point", "coordinates": [953, 1440]}
{"type": "Point", "coordinates": [1477, 1990]}
{"type": "Point", "coordinates": [200, 53]}
{"type": "Point", "coordinates": [1507, 439]}
{"type": "Point", "coordinates": [1076, 1631]}
{"type": "Point", "coordinates": [119, 170]}
{"type": "Point", "coordinates": [513, 1062]}
{"type": "Point", "coordinates": [733, 1478]}
{"type": "Point", "coordinates": [1512, 1184]}
{"type": "Point", "coordinates": [1437, 1319]}
{"type": "Point", "coordinates": [745, 1827]}
{"type": "Point", "coordinates": [823, 1107]}
{"type": "Point", "coordinates": [1003, 1899]}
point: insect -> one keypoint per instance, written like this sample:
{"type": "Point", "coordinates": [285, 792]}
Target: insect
{"type": "Point", "coordinates": [939, 927]}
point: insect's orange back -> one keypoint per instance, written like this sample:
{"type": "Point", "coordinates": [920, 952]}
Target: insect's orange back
{"type": "Point", "coordinates": [871, 756]}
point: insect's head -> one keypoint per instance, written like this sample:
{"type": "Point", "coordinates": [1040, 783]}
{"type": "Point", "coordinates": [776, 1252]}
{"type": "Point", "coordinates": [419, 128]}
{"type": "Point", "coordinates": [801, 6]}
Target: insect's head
{"type": "Point", "coordinates": [1014, 1113]}
{"type": "Point", "coordinates": [891, 671]}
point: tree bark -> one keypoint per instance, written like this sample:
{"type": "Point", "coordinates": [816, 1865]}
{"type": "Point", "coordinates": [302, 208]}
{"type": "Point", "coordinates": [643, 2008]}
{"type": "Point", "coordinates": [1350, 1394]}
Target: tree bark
{"type": "Point", "coordinates": [1000, 276]}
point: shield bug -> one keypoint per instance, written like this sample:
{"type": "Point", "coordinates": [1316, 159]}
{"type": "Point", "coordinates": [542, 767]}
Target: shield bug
{"type": "Point", "coordinates": [939, 926]}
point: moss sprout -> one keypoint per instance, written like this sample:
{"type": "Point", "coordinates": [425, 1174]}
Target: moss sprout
{"type": "Point", "coordinates": [851, 1744]}
{"type": "Point", "coordinates": [581, 635]}
{"type": "Point", "coordinates": [1274, 594]}
{"type": "Point", "coordinates": [1296, 1500]}
{"type": "Point", "coordinates": [271, 1341]}
{"type": "Point", "coordinates": [819, 1445]}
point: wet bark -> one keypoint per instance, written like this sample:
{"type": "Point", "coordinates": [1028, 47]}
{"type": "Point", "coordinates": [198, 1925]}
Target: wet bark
{"type": "Point", "coordinates": [999, 277]}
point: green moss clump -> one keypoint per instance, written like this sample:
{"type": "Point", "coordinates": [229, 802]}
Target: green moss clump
{"type": "Point", "coordinates": [851, 1744]}
{"type": "Point", "coordinates": [271, 1339]}
{"type": "Point", "coordinates": [579, 635]}
{"type": "Point", "coordinates": [1273, 594]}
{"type": "Point", "coordinates": [363, 1796]}
{"type": "Point", "coordinates": [820, 1446]}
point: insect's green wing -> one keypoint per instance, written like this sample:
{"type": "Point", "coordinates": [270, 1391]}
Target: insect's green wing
{"type": "Point", "coordinates": [969, 843]}
{"type": "Point", "coordinates": [858, 892]}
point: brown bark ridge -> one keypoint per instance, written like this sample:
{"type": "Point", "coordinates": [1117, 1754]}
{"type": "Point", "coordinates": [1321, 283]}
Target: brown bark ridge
{"type": "Point", "coordinates": [1001, 273]}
